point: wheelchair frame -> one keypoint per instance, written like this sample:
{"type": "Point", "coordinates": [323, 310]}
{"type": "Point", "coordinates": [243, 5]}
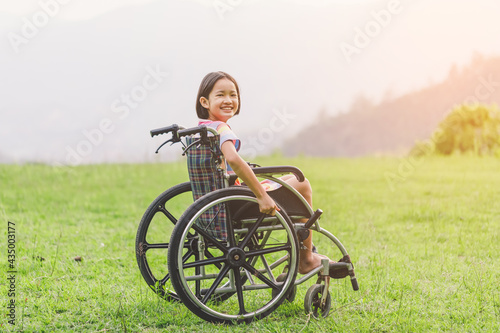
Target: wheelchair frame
{"type": "Point", "coordinates": [252, 237]}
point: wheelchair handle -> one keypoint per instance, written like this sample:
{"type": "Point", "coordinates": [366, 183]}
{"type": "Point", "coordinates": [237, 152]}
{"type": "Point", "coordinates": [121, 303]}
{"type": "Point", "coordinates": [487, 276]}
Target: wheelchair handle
{"type": "Point", "coordinates": [195, 130]}
{"type": "Point", "coordinates": [281, 170]}
{"type": "Point", "coordinates": [164, 130]}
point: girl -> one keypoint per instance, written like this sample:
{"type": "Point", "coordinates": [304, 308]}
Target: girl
{"type": "Point", "coordinates": [218, 101]}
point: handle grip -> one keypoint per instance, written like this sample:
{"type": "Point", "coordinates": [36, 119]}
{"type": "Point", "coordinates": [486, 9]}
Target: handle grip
{"type": "Point", "coordinates": [313, 218]}
{"type": "Point", "coordinates": [165, 130]}
{"type": "Point", "coordinates": [191, 131]}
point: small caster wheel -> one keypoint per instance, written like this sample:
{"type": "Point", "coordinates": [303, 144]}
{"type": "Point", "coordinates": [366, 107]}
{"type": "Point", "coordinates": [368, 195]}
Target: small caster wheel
{"type": "Point", "coordinates": [291, 293]}
{"type": "Point", "coordinates": [312, 301]}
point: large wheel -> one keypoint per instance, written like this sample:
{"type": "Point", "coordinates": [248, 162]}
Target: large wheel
{"type": "Point", "coordinates": [151, 242]}
{"type": "Point", "coordinates": [233, 278]}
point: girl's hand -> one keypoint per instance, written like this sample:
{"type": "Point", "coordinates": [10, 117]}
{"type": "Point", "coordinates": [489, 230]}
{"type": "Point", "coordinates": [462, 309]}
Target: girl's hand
{"type": "Point", "coordinates": [267, 205]}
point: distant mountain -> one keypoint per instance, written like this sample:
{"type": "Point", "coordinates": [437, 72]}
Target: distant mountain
{"type": "Point", "coordinates": [394, 124]}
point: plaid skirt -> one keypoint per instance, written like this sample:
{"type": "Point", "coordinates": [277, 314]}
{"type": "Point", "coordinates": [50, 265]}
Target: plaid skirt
{"type": "Point", "coordinates": [205, 177]}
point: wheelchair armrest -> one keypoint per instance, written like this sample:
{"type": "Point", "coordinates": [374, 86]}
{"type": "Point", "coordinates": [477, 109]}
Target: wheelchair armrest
{"type": "Point", "coordinates": [282, 170]}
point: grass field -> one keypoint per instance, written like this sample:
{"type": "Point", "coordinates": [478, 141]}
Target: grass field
{"type": "Point", "coordinates": [425, 244]}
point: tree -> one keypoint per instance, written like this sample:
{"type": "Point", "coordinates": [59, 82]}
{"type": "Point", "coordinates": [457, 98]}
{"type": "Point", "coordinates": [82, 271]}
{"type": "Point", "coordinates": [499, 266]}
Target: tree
{"type": "Point", "coordinates": [469, 129]}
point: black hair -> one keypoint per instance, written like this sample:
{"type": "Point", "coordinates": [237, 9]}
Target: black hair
{"type": "Point", "coordinates": [206, 86]}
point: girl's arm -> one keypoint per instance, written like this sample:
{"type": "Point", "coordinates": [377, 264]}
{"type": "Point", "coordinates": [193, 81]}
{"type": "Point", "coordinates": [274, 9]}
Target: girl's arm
{"type": "Point", "coordinates": [241, 168]}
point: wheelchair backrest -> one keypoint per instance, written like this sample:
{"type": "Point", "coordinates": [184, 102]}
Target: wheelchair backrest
{"type": "Point", "coordinates": [206, 175]}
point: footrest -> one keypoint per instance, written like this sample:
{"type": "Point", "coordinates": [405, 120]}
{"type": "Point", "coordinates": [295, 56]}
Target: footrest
{"type": "Point", "coordinates": [338, 270]}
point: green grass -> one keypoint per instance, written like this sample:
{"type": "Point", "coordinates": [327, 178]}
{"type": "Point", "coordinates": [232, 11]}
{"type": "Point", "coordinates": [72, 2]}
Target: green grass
{"type": "Point", "coordinates": [425, 244]}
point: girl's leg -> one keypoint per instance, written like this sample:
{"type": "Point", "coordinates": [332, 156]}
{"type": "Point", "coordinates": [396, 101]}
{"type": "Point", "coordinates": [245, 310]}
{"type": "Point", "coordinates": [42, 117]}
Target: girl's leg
{"type": "Point", "coordinates": [308, 260]}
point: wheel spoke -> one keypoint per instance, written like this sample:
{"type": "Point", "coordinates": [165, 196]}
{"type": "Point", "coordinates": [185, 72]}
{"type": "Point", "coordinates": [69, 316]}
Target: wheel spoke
{"type": "Point", "coordinates": [184, 259]}
{"type": "Point", "coordinates": [197, 283]}
{"type": "Point", "coordinates": [208, 237]}
{"type": "Point", "coordinates": [268, 250]}
{"type": "Point", "coordinates": [164, 280]}
{"type": "Point", "coordinates": [162, 209]}
{"type": "Point", "coordinates": [239, 290]}
{"type": "Point", "coordinates": [229, 226]}
{"type": "Point", "coordinates": [268, 269]}
{"type": "Point", "coordinates": [216, 283]}
{"type": "Point", "coordinates": [260, 276]}
{"type": "Point", "coordinates": [204, 262]}
{"type": "Point", "coordinates": [156, 246]}
{"type": "Point", "coordinates": [209, 255]}
{"type": "Point", "coordinates": [252, 231]}
{"type": "Point", "coordinates": [187, 256]}
{"type": "Point", "coordinates": [249, 276]}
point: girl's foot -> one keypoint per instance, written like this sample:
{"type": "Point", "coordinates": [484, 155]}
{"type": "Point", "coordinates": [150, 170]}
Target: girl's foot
{"type": "Point", "coordinates": [309, 261]}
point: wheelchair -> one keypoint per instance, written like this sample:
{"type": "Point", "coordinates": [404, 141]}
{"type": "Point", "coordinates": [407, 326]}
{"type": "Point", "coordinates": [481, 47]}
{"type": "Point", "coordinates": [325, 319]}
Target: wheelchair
{"type": "Point", "coordinates": [224, 260]}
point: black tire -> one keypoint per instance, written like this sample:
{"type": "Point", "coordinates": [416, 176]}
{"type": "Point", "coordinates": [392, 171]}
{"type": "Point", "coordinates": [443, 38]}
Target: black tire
{"type": "Point", "coordinates": [262, 247]}
{"type": "Point", "coordinates": [312, 301]}
{"type": "Point", "coordinates": [160, 217]}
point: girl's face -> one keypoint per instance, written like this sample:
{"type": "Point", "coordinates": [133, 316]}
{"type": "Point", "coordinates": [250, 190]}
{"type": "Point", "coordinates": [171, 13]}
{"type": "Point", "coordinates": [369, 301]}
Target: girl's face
{"type": "Point", "coordinates": [222, 101]}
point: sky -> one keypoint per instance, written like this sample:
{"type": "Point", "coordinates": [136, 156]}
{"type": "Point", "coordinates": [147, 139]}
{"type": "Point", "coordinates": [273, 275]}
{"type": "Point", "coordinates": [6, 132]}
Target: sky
{"type": "Point", "coordinates": [85, 81]}
{"type": "Point", "coordinates": [78, 10]}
